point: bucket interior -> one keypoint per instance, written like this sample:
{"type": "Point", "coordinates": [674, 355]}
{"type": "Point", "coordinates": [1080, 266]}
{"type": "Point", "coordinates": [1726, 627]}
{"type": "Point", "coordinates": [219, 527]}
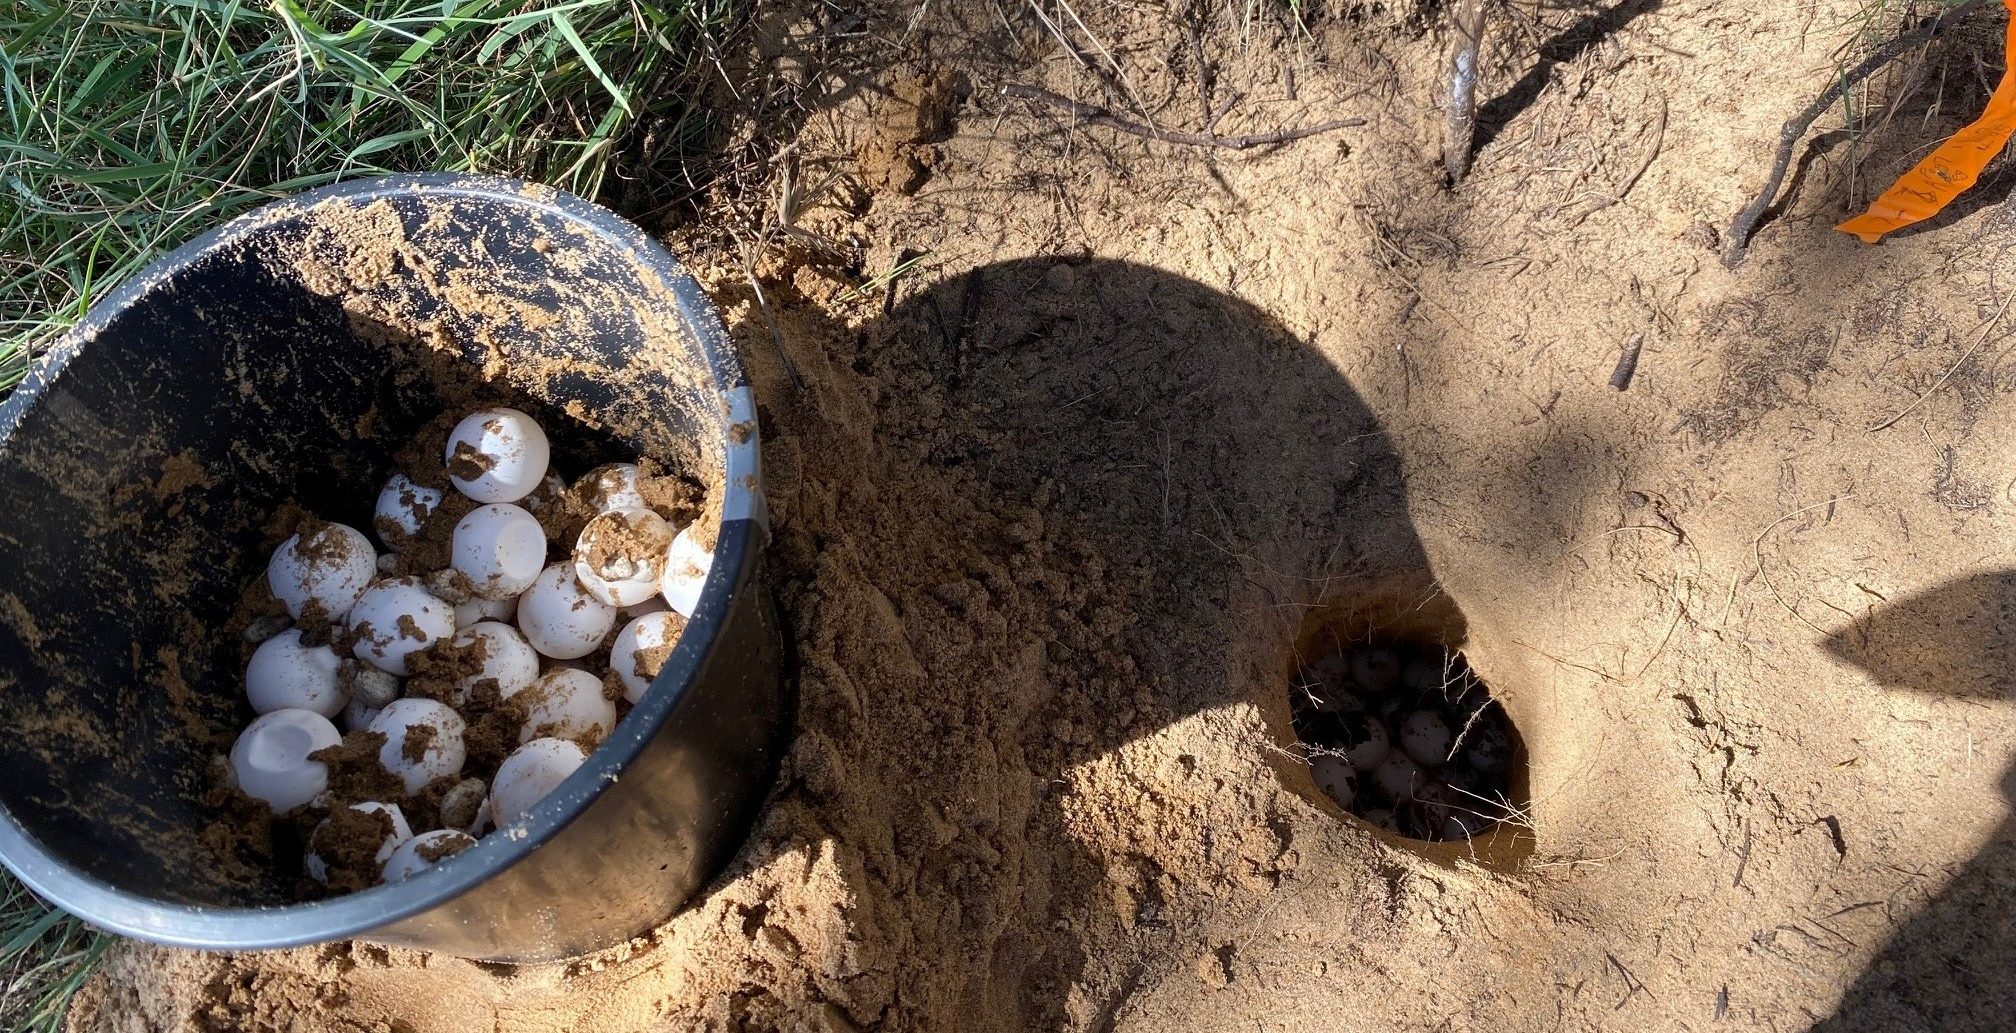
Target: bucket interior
{"type": "Point", "coordinates": [284, 359]}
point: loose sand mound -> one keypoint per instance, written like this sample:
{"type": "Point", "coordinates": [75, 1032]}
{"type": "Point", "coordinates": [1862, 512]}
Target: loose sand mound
{"type": "Point", "coordinates": [1056, 510]}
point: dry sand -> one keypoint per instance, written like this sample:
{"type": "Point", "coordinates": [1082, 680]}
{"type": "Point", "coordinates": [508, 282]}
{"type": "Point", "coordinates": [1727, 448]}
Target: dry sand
{"type": "Point", "coordinates": [1054, 513]}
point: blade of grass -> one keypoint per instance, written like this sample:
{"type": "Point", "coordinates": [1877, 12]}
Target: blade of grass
{"type": "Point", "coordinates": [129, 124]}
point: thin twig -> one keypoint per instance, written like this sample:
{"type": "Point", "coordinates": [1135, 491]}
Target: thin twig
{"type": "Point", "coordinates": [1100, 116]}
{"type": "Point", "coordinates": [1745, 223]}
{"type": "Point", "coordinates": [1962, 361]}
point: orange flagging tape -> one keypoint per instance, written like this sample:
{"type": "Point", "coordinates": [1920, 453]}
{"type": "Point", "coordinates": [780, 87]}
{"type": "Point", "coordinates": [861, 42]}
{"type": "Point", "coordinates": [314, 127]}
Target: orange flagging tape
{"type": "Point", "coordinates": [1945, 173]}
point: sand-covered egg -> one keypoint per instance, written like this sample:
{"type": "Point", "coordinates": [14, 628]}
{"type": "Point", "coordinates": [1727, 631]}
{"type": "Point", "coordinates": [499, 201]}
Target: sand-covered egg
{"type": "Point", "coordinates": [1398, 776]}
{"type": "Point", "coordinates": [351, 846]}
{"type": "Point", "coordinates": [1487, 745]}
{"type": "Point", "coordinates": [1424, 734]}
{"type": "Point", "coordinates": [286, 673]}
{"type": "Point", "coordinates": [403, 508]}
{"type": "Point", "coordinates": [1333, 775]}
{"type": "Point", "coordinates": [496, 653]}
{"type": "Point", "coordinates": [641, 649]}
{"type": "Point", "coordinates": [565, 703]}
{"type": "Point", "coordinates": [423, 741]}
{"type": "Point", "coordinates": [497, 455]}
{"type": "Point", "coordinates": [424, 851]}
{"type": "Point", "coordinates": [621, 555]}
{"type": "Point", "coordinates": [560, 618]}
{"type": "Point", "coordinates": [319, 572]}
{"type": "Point", "coordinates": [498, 549]}
{"type": "Point", "coordinates": [1366, 742]}
{"type": "Point", "coordinates": [611, 487]}
{"type": "Point", "coordinates": [395, 618]}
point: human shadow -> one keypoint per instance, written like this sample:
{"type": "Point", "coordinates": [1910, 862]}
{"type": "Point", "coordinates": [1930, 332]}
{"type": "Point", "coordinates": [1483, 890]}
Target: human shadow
{"type": "Point", "coordinates": [1952, 967]}
{"type": "Point", "coordinates": [1107, 494]}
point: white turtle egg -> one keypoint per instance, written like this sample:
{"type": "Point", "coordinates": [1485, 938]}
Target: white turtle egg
{"type": "Point", "coordinates": [1366, 742]}
{"type": "Point", "coordinates": [1398, 776]}
{"type": "Point", "coordinates": [1334, 775]}
{"type": "Point", "coordinates": [270, 758]}
{"type": "Point", "coordinates": [567, 704]}
{"type": "Point", "coordinates": [611, 487]}
{"type": "Point", "coordinates": [508, 659]}
{"type": "Point", "coordinates": [284, 674]}
{"type": "Point", "coordinates": [560, 618]}
{"type": "Point", "coordinates": [397, 834]}
{"type": "Point", "coordinates": [323, 573]}
{"type": "Point", "coordinates": [403, 508]}
{"type": "Point", "coordinates": [528, 774]}
{"type": "Point", "coordinates": [424, 851]}
{"type": "Point", "coordinates": [1425, 737]}
{"type": "Point", "coordinates": [686, 566]}
{"type": "Point", "coordinates": [499, 548]}
{"type": "Point", "coordinates": [395, 618]}
{"type": "Point", "coordinates": [441, 755]}
{"type": "Point", "coordinates": [497, 455]}
{"type": "Point", "coordinates": [477, 609]}
{"type": "Point", "coordinates": [640, 650]}
{"type": "Point", "coordinates": [621, 555]}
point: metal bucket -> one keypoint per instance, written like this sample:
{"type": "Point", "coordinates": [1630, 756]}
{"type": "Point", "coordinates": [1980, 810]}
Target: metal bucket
{"type": "Point", "coordinates": [141, 456]}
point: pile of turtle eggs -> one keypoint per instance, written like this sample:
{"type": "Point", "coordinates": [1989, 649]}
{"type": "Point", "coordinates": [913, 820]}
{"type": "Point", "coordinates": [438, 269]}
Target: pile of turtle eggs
{"type": "Point", "coordinates": [1406, 738]}
{"type": "Point", "coordinates": [357, 627]}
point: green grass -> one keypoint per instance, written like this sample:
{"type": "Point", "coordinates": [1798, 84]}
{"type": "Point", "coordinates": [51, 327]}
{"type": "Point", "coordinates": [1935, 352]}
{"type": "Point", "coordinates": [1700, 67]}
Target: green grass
{"type": "Point", "coordinates": [129, 126]}
{"type": "Point", "coordinates": [44, 957]}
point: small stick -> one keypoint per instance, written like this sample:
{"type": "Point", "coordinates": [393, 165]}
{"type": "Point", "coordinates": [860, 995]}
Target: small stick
{"type": "Point", "coordinates": [1100, 116]}
{"type": "Point", "coordinates": [1459, 131]}
{"type": "Point", "coordinates": [1745, 223]}
{"type": "Point", "coordinates": [1627, 364]}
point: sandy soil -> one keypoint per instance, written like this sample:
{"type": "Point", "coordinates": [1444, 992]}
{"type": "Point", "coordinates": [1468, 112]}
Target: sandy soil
{"type": "Point", "coordinates": [1055, 510]}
